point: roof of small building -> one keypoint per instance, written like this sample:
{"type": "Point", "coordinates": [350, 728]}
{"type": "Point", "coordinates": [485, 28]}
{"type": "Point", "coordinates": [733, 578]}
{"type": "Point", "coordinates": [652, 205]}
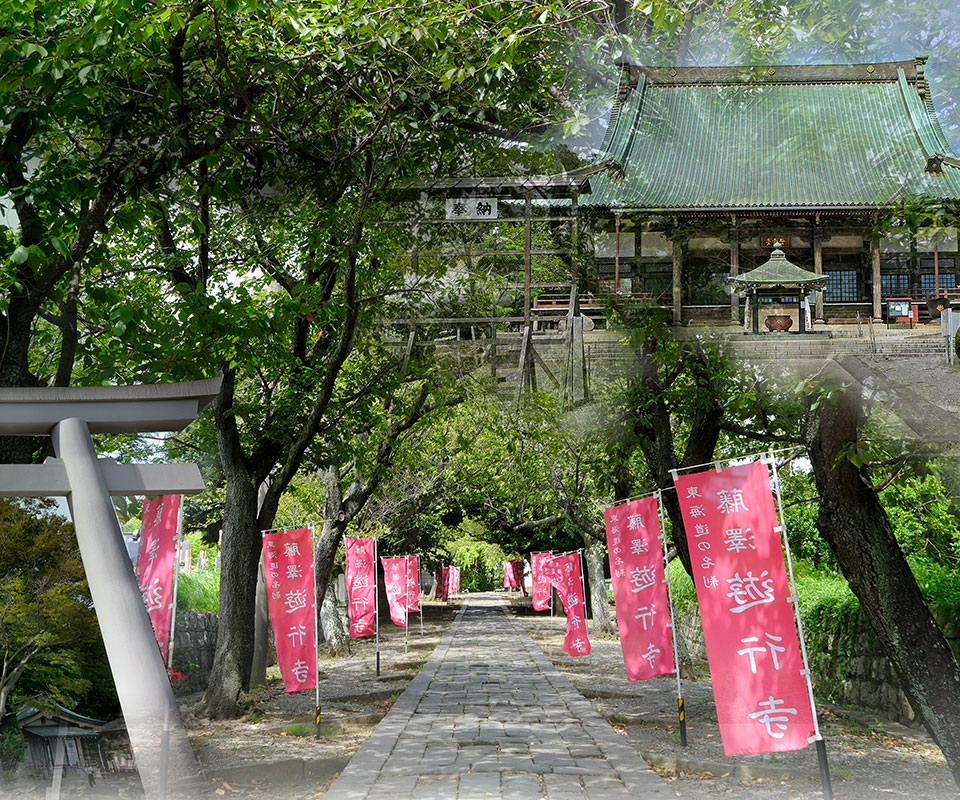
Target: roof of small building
{"type": "Point", "coordinates": [847, 137]}
{"type": "Point", "coordinates": [57, 721]}
{"type": "Point", "coordinates": [779, 272]}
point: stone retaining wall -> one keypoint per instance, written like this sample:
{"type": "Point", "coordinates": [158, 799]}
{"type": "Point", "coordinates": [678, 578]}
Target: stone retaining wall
{"type": "Point", "coordinates": [195, 640]}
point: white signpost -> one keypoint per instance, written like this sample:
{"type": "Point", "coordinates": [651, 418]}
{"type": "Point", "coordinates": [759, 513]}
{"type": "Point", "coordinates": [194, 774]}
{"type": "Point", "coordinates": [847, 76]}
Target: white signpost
{"type": "Point", "coordinates": [950, 325]}
{"type": "Point", "coordinates": [165, 761]}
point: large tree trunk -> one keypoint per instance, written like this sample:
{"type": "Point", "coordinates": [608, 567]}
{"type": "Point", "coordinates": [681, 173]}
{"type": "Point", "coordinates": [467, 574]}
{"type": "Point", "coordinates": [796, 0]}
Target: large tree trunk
{"type": "Point", "coordinates": [855, 525]}
{"type": "Point", "coordinates": [240, 547]}
{"type": "Point", "coordinates": [331, 624]}
{"type": "Point", "coordinates": [331, 534]}
{"type": "Point", "coordinates": [239, 555]}
{"type": "Point", "coordinates": [593, 553]}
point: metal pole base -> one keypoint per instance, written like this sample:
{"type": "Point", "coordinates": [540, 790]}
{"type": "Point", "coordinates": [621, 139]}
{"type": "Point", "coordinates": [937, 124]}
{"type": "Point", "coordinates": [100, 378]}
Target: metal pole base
{"type": "Point", "coordinates": [824, 770]}
{"type": "Point", "coordinates": [683, 721]}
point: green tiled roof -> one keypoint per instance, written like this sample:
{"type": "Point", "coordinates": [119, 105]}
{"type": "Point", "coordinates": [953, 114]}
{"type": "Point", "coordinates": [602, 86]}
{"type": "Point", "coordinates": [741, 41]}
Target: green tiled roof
{"type": "Point", "coordinates": [850, 137]}
{"type": "Point", "coordinates": [778, 271]}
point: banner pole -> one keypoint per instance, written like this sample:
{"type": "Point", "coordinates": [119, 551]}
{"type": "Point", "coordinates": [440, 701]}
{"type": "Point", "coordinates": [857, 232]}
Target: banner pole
{"type": "Point", "coordinates": [583, 594]}
{"type": "Point", "coordinates": [551, 591]}
{"type": "Point", "coordinates": [376, 603]}
{"type": "Point", "coordinates": [316, 630]}
{"type": "Point", "coordinates": [419, 598]}
{"type": "Point", "coordinates": [176, 581]}
{"type": "Point", "coordinates": [817, 737]}
{"type": "Point", "coordinates": [681, 712]}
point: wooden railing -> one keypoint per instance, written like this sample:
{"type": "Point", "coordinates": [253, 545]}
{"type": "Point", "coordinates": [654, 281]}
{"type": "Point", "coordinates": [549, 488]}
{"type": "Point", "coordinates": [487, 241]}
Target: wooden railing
{"type": "Point", "coordinates": [921, 296]}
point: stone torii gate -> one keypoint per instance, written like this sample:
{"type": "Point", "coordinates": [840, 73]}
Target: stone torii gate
{"type": "Point", "coordinates": [164, 758]}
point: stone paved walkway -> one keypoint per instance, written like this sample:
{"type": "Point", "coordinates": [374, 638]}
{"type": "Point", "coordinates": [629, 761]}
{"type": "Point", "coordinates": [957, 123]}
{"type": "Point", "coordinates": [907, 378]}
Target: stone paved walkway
{"type": "Point", "coordinates": [490, 717]}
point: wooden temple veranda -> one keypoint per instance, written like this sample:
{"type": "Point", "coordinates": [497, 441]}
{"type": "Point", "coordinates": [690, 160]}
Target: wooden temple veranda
{"type": "Point", "coordinates": [702, 172]}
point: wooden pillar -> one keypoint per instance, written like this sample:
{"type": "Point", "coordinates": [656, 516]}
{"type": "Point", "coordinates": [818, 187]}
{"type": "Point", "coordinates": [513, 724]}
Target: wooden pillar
{"type": "Point", "coordinates": [493, 345]}
{"type": "Point", "coordinates": [677, 255]}
{"type": "Point", "coordinates": [734, 271]}
{"type": "Point", "coordinates": [818, 268]}
{"type": "Point", "coordinates": [527, 266]}
{"type": "Point", "coordinates": [574, 240]}
{"type": "Point", "coordinates": [616, 255]}
{"type": "Point", "coordinates": [875, 274]}
{"type": "Point", "coordinates": [936, 267]}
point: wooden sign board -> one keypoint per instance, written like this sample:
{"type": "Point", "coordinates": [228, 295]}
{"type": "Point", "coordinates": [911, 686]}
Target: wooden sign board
{"type": "Point", "coordinates": [470, 208]}
{"type": "Point", "coordinates": [772, 241]}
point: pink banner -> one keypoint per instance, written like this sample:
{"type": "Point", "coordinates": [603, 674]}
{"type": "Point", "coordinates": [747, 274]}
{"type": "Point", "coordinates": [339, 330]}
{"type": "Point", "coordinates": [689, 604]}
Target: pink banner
{"type": "Point", "coordinates": [639, 587]}
{"type": "Point", "coordinates": [554, 578]}
{"type": "Point", "coordinates": [288, 566]}
{"type": "Point", "coordinates": [748, 621]}
{"type": "Point", "coordinates": [518, 569]}
{"type": "Point", "coordinates": [453, 580]}
{"type": "Point", "coordinates": [510, 576]}
{"type": "Point", "coordinates": [441, 577]}
{"type": "Point", "coordinates": [567, 571]}
{"type": "Point", "coordinates": [541, 584]}
{"type": "Point", "coordinates": [361, 580]}
{"type": "Point", "coordinates": [413, 583]}
{"type": "Point", "coordinates": [513, 575]}
{"type": "Point", "coordinates": [395, 580]}
{"type": "Point", "coordinates": [156, 562]}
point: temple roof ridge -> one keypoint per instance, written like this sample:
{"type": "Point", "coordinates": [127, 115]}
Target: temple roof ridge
{"type": "Point", "coordinates": [771, 137]}
{"type": "Point", "coordinates": [733, 74]}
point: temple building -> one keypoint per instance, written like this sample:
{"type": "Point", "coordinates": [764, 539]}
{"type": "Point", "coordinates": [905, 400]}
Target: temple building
{"type": "Point", "coordinates": [709, 168]}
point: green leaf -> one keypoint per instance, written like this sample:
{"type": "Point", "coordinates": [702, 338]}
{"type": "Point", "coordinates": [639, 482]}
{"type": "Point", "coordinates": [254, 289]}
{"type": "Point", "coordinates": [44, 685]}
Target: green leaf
{"type": "Point", "coordinates": [20, 255]}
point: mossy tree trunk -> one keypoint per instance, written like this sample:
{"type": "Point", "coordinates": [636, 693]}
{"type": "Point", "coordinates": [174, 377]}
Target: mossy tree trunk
{"type": "Point", "coordinates": [855, 525]}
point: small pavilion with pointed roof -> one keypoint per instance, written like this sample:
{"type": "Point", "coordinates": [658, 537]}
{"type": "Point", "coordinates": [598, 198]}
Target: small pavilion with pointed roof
{"type": "Point", "coordinates": [771, 279]}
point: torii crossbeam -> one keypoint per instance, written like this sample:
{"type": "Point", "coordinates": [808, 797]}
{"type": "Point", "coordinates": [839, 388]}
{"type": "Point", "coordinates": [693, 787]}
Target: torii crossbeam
{"type": "Point", "coordinates": [164, 758]}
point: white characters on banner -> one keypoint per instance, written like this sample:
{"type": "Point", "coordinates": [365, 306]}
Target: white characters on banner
{"type": "Point", "coordinates": [651, 654]}
{"type": "Point", "coordinates": [300, 670]}
{"type": "Point", "coordinates": [295, 600]}
{"type": "Point", "coordinates": [746, 592]}
{"type": "Point", "coordinates": [736, 539]}
{"type": "Point", "coordinates": [731, 501]}
{"type": "Point", "coordinates": [642, 578]}
{"type": "Point", "coordinates": [153, 595]}
{"type": "Point", "coordinates": [638, 546]}
{"type": "Point", "coordinates": [646, 614]}
{"type": "Point", "coordinates": [773, 717]}
{"type": "Point", "coordinates": [297, 634]}
{"type": "Point", "coordinates": [770, 642]}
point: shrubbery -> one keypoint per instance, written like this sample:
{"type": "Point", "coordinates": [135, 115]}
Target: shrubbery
{"type": "Point", "coordinates": [11, 747]}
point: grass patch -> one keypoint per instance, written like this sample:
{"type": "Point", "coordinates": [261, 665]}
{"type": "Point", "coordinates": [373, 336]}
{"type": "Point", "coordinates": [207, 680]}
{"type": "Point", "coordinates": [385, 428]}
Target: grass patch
{"type": "Point", "coordinates": [199, 591]}
{"type": "Point", "coordinates": [299, 729]}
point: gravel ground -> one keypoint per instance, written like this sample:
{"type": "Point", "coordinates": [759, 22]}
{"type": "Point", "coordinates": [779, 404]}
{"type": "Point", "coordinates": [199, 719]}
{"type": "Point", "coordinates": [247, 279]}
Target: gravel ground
{"type": "Point", "coordinates": [868, 758]}
{"type": "Point", "coordinates": [933, 379]}
{"type": "Point", "coordinates": [352, 700]}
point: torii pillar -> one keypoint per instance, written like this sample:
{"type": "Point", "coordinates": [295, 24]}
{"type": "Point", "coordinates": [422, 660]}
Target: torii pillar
{"type": "Point", "coordinates": [165, 761]}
